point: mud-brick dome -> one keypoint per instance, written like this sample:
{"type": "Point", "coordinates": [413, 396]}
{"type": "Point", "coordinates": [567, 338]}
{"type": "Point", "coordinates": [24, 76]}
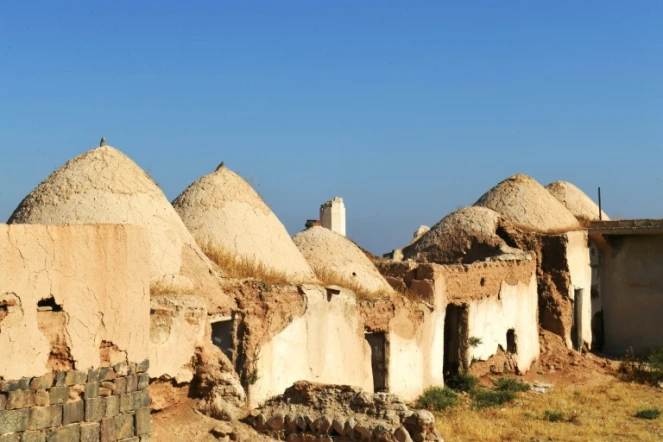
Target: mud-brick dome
{"type": "Point", "coordinates": [224, 212]}
{"type": "Point", "coordinates": [104, 186]}
{"type": "Point", "coordinates": [467, 235]}
{"type": "Point", "coordinates": [523, 201]}
{"type": "Point", "coordinates": [330, 253]}
{"type": "Point", "coordinates": [576, 201]}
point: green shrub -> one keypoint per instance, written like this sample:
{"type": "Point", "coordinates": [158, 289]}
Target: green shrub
{"type": "Point", "coordinates": [648, 413]}
{"type": "Point", "coordinates": [437, 398]}
{"type": "Point", "coordinates": [462, 382]}
{"type": "Point", "coordinates": [553, 416]}
{"type": "Point", "coordinates": [642, 368]}
{"type": "Point", "coordinates": [511, 384]}
{"type": "Point", "coordinates": [475, 341]}
{"type": "Point", "coordinates": [488, 398]}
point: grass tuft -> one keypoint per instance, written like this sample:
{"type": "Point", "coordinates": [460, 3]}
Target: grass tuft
{"type": "Point", "coordinates": [511, 384]}
{"type": "Point", "coordinates": [242, 267]}
{"type": "Point", "coordinates": [462, 382]}
{"type": "Point", "coordinates": [553, 416]}
{"type": "Point", "coordinates": [475, 341]}
{"type": "Point", "coordinates": [164, 288]}
{"type": "Point", "coordinates": [642, 368]}
{"type": "Point", "coordinates": [489, 398]}
{"type": "Point", "coordinates": [648, 413]}
{"type": "Point", "coordinates": [437, 399]}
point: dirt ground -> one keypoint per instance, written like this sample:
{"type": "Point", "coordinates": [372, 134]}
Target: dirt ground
{"type": "Point", "coordinates": [183, 423]}
{"type": "Point", "coordinates": [595, 404]}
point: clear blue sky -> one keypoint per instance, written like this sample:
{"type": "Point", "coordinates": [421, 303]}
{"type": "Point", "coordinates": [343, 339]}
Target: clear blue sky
{"type": "Point", "coordinates": [406, 109]}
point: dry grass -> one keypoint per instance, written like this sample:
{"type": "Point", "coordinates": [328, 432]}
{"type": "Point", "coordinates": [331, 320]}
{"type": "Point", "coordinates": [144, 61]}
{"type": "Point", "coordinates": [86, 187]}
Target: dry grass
{"type": "Point", "coordinates": [241, 267]}
{"type": "Point", "coordinates": [164, 288]}
{"type": "Point", "coordinates": [329, 277]}
{"type": "Point", "coordinates": [589, 413]}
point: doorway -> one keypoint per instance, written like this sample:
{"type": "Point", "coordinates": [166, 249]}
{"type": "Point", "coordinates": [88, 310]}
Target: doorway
{"type": "Point", "coordinates": [378, 343]}
{"type": "Point", "coordinates": [222, 337]}
{"type": "Point", "coordinates": [456, 335]}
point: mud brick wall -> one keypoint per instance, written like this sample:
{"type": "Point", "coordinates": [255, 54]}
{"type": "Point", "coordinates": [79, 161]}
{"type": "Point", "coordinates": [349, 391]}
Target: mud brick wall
{"type": "Point", "coordinates": [99, 405]}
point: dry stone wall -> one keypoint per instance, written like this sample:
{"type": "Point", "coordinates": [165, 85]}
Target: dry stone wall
{"type": "Point", "coordinates": [100, 404]}
{"type": "Point", "coordinates": [317, 412]}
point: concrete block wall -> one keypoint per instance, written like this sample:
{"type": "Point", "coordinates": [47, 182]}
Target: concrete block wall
{"type": "Point", "coordinates": [98, 405]}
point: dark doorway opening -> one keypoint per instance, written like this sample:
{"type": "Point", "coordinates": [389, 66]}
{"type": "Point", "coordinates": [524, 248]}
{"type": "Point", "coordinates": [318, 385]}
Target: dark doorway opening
{"type": "Point", "coordinates": [576, 329]}
{"type": "Point", "coordinates": [597, 331]}
{"type": "Point", "coordinates": [511, 346]}
{"type": "Point", "coordinates": [378, 344]}
{"type": "Point", "coordinates": [455, 340]}
{"type": "Point", "coordinates": [222, 337]}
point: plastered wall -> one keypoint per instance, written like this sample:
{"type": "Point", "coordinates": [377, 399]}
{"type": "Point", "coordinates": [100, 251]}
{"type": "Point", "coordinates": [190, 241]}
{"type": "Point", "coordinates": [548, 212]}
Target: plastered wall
{"type": "Point", "coordinates": [632, 291]}
{"type": "Point", "coordinates": [580, 271]}
{"type": "Point", "coordinates": [98, 275]}
{"type": "Point", "coordinates": [515, 307]}
{"type": "Point", "coordinates": [325, 345]}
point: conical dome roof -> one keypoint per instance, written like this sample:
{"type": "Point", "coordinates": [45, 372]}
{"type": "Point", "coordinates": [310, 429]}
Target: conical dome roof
{"type": "Point", "coordinates": [526, 203]}
{"type": "Point", "coordinates": [104, 186]}
{"type": "Point", "coordinates": [464, 236]}
{"type": "Point", "coordinates": [222, 210]}
{"type": "Point", "coordinates": [329, 253]}
{"type": "Point", "coordinates": [576, 201]}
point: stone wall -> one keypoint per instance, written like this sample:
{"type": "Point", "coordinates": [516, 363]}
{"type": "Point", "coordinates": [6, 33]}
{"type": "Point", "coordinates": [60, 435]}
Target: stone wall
{"type": "Point", "coordinates": [102, 404]}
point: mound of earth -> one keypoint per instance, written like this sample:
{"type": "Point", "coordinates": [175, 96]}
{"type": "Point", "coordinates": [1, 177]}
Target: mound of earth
{"type": "Point", "coordinates": [308, 411]}
{"type": "Point", "coordinates": [104, 186]}
{"type": "Point", "coordinates": [576, 201]}
{"type": "Point", "coordinates": [334, 257]}
{"type": "Point", "coordinates": [467, 235]}
{"type": "Point", "coordinates": [222, 210]}
{"type": "Point", "coordinates": [526, 203]}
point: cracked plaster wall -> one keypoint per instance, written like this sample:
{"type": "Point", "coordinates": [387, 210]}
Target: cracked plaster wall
{"type": "Point", "coordinates": [491, 318]}
{"type": "Point", "coordinates": [177, 325]}
{"type": "Point", "coordinates": [98, 274]}
{"type": "Point", "coordinates": [324, 345]}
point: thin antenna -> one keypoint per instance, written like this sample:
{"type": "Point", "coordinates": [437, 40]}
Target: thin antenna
{"type": "Point", "coordinates": [600, 211]}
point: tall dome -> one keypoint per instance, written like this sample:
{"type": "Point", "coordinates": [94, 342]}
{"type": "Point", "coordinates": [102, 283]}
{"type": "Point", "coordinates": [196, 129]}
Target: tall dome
{"type": "Point", "coordinates": [333, 256]}
{"type": "Point", "coordinates": [576, 201]}
{"type": "Point", "coordinates": [464, 236]}
{"type": "Point", "coordinates": [526, 203]}
{"type": "Point", "coordinates": [223, 211]}
{"type": "Point", "coordinates": [104, 186]}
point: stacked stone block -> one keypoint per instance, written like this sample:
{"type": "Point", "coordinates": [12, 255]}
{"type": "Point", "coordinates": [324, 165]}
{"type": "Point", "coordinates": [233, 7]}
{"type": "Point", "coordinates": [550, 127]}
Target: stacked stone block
{"type": "Point", "coordinates": [104, 404]}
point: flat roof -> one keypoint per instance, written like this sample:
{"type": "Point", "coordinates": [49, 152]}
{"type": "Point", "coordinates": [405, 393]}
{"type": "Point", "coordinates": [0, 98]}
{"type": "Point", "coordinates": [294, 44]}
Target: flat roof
{"type": "Point", "coordinates": [627, 227]}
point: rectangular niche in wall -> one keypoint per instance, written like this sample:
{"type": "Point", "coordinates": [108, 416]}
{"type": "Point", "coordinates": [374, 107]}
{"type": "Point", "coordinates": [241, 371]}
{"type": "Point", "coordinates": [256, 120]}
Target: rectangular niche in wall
{"type": "Point", "coordinates": [222, 336]}
{"type": "Point", "coordinates": [378, 344]}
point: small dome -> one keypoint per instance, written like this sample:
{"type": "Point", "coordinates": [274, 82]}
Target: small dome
{"type": "Point", "coordinates": [333, 256]}
{"type": "Point", "coordinates": [527, 204]}
{"type": "Point", "coordinates": [104, 186]}
{"type": "Point", "coordinates": [576, 201]}
{"type": "Point", "coordinates": [223, 211]}
{"type": "Point", "coordinates": [464, 236]}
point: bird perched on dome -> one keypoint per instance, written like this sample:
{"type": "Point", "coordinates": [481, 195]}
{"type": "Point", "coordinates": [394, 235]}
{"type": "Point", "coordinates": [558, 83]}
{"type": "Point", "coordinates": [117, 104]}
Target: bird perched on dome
{"type": "Point", "coordinates": [102, 142]}
{"type": "Point", "coordinates": [221, 166]}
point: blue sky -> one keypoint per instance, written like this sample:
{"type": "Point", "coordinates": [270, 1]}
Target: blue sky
{"type": "Point", "coordinates": [408, 110]}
